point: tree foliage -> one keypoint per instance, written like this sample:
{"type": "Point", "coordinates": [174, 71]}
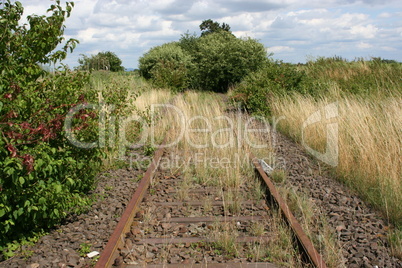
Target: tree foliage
{"type": "Point", "coordinates": [274, 79]}
{"type": "Point", "coordinates": [213, 61]}
{"type": "Point", "coordinates": [222, 60]}
{"type": "Point", "coordinates": [167, 66]}
{"type": "Point", "coordinates": [108, 61]}
{"type": "Point", "coordinates": [42, 176]}
{"type": "Point", "coordinates": [209, 26]}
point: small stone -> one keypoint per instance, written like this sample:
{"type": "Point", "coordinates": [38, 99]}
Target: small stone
{"type": "Point", "coordinates": [73, 260]}
{"type": "Point", "coordinates": [340, 227]}
{"type": "Point", "coordinates": [118, 261]}
{"type": "Point", "coordinates": [140, 214]}
{"type": "Point", "coordinates": [135, 231]}
{"type": "Point", "coordinates": [165, 226]}
{"type": "Point", "coordinates": [175, 259]}
{"type": "Point", "coordinates": [374, 246]}
{"type": "Point", "coordinates": [149, 255]}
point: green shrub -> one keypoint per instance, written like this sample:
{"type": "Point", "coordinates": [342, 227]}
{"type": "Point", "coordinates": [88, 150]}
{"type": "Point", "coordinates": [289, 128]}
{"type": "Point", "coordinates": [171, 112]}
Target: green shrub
{"type": "Point", "coordinates": [214, 61]}
{"type": "Point", "coordinates": [42, 175]}
{"type": "Point", "coordinates": [108, 61]}
{"type": "Point", "coordinates": [221, 60]}
{"type": "Point", "coordinates": [275, 79]}
{"type": "Point", "coordinates": [166, 66]}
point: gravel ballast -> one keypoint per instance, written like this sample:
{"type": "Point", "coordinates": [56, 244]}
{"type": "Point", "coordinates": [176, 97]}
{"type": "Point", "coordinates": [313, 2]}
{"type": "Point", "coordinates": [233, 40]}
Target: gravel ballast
{"type": "Point", "coordinates": [361, 230]}
{"type": "Point", "coordinates": [62, 246]}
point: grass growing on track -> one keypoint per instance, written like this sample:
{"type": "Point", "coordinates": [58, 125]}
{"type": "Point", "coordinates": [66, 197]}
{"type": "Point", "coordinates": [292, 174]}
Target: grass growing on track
{"type": "Point", "coordinates": [212, 142]}
{"type": "Point", "coordinates": [213, 146]}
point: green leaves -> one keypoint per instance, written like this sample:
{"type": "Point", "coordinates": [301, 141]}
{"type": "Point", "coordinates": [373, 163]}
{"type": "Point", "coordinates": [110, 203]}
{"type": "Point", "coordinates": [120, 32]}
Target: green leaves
{"type": "Point", "coordinates": [57, 188]}
{"type": "Point", "coordinates": [167, 66]}
{"type": "Point", "coordinates": [102, 61]}
{"type": "Point", "coordinates": [222, 60]}
{"type": "Point", "coordinates": [42, 176]}
{"type": "Point", "coordinates": [213, 61]}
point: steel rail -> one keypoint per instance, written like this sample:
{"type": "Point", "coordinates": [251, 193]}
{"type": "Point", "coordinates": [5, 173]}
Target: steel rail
{"type": "Point", "coordinates": [307, 246]}
{"type": "Point", "coordinates": [116, 241]}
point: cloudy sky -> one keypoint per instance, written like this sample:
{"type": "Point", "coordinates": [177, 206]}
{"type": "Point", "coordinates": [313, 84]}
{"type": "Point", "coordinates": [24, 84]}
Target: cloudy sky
{"type": "Point", "coordinates": [294, 30]}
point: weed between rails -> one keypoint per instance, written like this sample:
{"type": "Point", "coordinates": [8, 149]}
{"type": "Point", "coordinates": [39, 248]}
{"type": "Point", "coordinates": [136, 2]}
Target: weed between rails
{"type": "Point", "coordinates": [214, 155]}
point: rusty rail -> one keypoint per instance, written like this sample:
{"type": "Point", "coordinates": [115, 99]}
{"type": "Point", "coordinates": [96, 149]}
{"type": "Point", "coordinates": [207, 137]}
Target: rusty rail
{"type": "Point", "coordinates": [307, 246]}
{"type": "Point", "coordinates": [116, 241]}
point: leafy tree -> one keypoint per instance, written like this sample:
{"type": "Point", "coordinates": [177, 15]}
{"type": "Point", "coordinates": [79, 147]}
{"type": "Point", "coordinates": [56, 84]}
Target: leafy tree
{"type": "Point", "coordinates": [213, 61]}
{"type": "Point", "coordinates": [209, 26]}
{"type": "Point", "coordinates": [108, 61]}
{"type": "Point", "coordinates": [189, 42]}
{"type": "Point", "coordinates": [42, 175]}
{"type": "Point", "coordinates": [222, 60]}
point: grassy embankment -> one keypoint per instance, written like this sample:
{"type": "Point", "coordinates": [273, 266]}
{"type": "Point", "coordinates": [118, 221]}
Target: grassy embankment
{"type": "Point", "coordinates": [369, 100]}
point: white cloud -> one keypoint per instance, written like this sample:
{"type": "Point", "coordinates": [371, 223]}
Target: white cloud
{"type": "Point", "coordinates": [385, 15]}
{"type": "Point", "coordinates": [391, 49]}
{"type": "Point", "coordinates": [290, 28]}
{"type": "Point", "coordinates": [368, 31]}
{"type": "Point", "coordinates": [277, 49]}
{"type": "Point", "coordinates": [363, 45]}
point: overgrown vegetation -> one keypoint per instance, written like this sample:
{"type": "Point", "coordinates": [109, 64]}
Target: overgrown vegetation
{"type": "Point", "coordinates": [367, 94]}
{"type": "Point", "coordinates": [43, 175]}
{"type": "Point", "coordinates": [107, 61]}
{"type": "Point", "coordinates": [317, 79]}
{"type": "Point", "coordinates": [214, 61]}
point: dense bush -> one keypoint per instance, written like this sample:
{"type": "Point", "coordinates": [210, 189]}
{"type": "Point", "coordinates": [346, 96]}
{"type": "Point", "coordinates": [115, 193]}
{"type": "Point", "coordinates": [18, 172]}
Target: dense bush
{"type": "Point", "coordinates": [213, 61]}
{"type": "Point", "coordinates": [275, 79]}
{"type": "Point", "coordinates": [222, 60]}
{"type": "Point", "coordinates": [166, 66]}
{"type": "Point", "coordinates": [107, 61]}
{"type": "Point", "coordinates": [42, 175]}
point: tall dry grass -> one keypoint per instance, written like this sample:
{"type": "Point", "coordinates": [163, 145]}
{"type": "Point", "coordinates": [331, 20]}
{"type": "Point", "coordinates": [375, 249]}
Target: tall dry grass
{"type": "Point", "coordinates": [369, 142]}
{"type": "Point", "coordinates": [202, 131]}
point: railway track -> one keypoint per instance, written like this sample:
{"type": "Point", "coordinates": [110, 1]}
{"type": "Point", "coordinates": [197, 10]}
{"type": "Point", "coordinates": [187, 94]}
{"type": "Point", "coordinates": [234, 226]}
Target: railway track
{"type": "Point", "coordinates": [173, 220]}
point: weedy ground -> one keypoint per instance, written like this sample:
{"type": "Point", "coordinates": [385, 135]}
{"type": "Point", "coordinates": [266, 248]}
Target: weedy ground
{"type": "Point", "coordinates": [369, 141]}
{"type": "Point", "coordinates": [215, 143]}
